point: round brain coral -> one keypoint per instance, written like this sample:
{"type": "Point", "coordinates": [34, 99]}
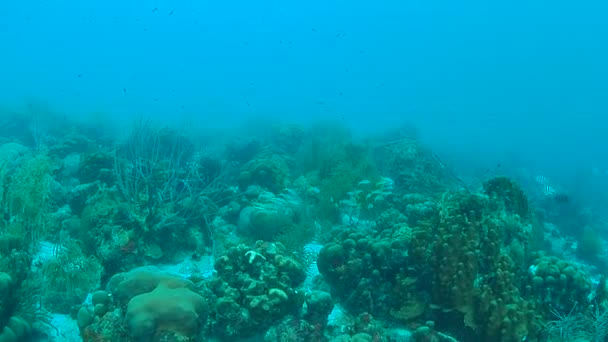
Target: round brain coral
{"type": "Point", "coordinates": [158, 303]}
{"type": "Point", "coordinates": [165, 309]}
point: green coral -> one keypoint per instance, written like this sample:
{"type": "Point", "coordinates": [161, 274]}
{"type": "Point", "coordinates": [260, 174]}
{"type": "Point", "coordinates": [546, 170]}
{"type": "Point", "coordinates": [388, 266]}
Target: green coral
{"type": "Point", "coordinates": [255, 288]}
{"type": "Point", "coordinates": [461, 236]}
{"type": "Point", "coordinates": [470, 251]}
{"type": "Point", "coordinates": [414, 168]}
{"type": "Point", "coordinates": [510, 195]}
{"type": "Point", "coordinates": [158, 305]}
{"type": "Point", "coordinates": [269, 215]}
{"type": "Point", "coordinates": [560, 285]}
{"type": "Point", "coordinates": [19, 293]}
{"type": "Point", "coordinates": [176, 311]}
{"type": "Point", "coordinates": [10, 154]}
{"type": "Point", "coordinates": [341, 175]}
{"type": "Point", "coordinates": [70, 141]}
{"type": "Point", "coordinates": [97, 166]}
{"type": "Point", "coordinates": [268, 170]}
{"type": "Point", "coordinates": [367, 271]}
{"type": "Point", "coordinates": [472, 272]}
{"type": "Point", "coordinates": [368, 199]}
{"type": "Point", "coordinates": [287, 138]}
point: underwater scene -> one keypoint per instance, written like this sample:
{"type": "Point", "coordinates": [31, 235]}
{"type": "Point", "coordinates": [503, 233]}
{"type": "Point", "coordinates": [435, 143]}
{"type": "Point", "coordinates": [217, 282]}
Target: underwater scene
{"type": "Point", "coordinates": [325, 171]}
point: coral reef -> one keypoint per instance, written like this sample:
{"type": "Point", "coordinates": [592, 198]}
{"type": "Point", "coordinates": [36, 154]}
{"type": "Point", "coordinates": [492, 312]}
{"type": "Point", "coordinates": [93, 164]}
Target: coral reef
{"type": "Point", "coordinates": [255, 287]}
{"type": "Point", "coordinates": [298, 234]}
{"type": "Point", "coordinates": [155, 305]}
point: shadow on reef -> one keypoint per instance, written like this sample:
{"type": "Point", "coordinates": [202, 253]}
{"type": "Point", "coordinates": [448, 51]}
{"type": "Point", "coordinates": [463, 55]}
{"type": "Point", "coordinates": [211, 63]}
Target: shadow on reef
{"type": "Point", "coordinates": [297, 234]}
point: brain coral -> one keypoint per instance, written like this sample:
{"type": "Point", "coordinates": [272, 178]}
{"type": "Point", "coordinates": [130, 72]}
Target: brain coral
{"type": "Point", "coordinates": [158, 303]}
{"type": "Point", "coordinates": [176, 310]}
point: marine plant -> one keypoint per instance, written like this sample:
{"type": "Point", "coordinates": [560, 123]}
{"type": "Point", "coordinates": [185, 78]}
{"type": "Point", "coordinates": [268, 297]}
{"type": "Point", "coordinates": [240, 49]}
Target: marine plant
{"type": "Point", "coordinates": [29, 194]}
{"type": "Point", "coordinates": [148, 166]}
{"type": "Point", "coordinates": [574, 326]}
{"type": "Point", "coordinates": [69, 275]}
{"type": "Point", "coordinates": [69, 270]}
{"type": "Point", "coordinates": [340, 175]}
{"type": "Point", "coordinates": [170, 185]}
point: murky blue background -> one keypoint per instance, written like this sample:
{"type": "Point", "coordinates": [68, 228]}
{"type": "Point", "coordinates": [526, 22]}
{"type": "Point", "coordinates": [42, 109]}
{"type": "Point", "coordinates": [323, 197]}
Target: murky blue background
{"type": "Point", "coordinates": [521, 83]}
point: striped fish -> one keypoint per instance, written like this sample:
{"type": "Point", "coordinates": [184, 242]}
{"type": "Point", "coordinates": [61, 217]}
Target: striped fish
{"type": "Point", "coordinates": [549, 190]}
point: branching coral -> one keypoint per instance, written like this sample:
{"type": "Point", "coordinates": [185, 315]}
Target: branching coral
{"type": "Point", "coordinates": [368, 271]}
{"type": "Point", "coordinates": [474, 268]}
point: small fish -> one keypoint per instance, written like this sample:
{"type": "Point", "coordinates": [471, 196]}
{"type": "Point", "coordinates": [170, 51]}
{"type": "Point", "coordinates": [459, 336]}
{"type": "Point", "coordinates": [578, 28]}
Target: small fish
{"type": "Point", "coordinates": [561, 197]}
{"type": "Point", "coordinates": [171, 13]}
{"type": "Point", "coordinates": [386, 183]}
{"type": "Point", "coordinates": [541, 179]}
{"type": "Point", "coordinates": [550, 191]}
{"type": "Point", "coordinates": [314, 190]}
{"type": "Point", "coordinates": [547, 188]}
{"type": "Point", "coordinates": [155, 9]}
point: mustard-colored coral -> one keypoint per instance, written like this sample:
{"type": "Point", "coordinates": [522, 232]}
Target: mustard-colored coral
{"type": "Point", "coordinates": [158, 303]}
{"type": "Point", "coordinates": [165, 309]}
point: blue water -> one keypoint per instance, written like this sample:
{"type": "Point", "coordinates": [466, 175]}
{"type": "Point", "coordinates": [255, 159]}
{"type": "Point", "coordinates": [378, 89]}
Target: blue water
{"type": "Point", "coordinates": [511, 82]}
